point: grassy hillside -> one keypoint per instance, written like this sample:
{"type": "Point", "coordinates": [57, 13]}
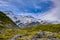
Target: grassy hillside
{"type": "Point", "coordinates": [52, 29]}
{"type": "Point", "coordinates": [7, 27]}
{"type": "Point", "coordinates": [4, 18]}
{"type": "Point", "coordinates": [6, 21]}
{"type": "Point", "coordinates": [45, 27]}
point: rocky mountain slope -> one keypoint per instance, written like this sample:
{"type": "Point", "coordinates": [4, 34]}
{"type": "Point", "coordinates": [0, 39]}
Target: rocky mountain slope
{"type": "Point", "coordinates": [7, 27]}
{"type": "Point", "coordinates": [5, 21]}
{"type": "Point", "coordinates": [23, 20]}
{"type": "Point", "coordinates": [28, 20]}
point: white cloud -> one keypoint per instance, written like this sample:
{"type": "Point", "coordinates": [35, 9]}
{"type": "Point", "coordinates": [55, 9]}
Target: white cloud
{"type": "Point", "coordinates": [53, 14]}
{"type": "Point", "coordinates": [3, 3]}
{"type": "Point", "coordinates": [8, 6]}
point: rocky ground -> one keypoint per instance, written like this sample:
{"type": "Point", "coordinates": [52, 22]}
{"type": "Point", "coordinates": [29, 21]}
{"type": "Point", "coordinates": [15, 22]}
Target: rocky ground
{"type": "Point", "coordinates": [42, 35]}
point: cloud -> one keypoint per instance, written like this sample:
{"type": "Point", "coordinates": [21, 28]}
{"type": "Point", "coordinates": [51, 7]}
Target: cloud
{"type": "Point", "coordinates": [53, 14]}
{"type": "Point", "coordinates": [17, 5]}
{"type": "Point", "coordinates": [7, 5]}
{"type": "Point", "coordinates": [3, 3]}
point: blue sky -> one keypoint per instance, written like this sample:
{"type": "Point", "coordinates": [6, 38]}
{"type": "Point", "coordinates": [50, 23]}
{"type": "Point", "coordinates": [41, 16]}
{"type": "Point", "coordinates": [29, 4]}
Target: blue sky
{"type": "Point", "coordinates": [46, 9]}
{"type": "Point", "coordinates": [26, 6]}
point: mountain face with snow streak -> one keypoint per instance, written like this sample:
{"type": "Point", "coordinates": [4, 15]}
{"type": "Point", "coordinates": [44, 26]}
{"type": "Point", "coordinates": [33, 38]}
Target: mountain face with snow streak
{"type": "Point", "coordinates": [28, 20]}
{"type": "Point", "coordinates": [23, 20]}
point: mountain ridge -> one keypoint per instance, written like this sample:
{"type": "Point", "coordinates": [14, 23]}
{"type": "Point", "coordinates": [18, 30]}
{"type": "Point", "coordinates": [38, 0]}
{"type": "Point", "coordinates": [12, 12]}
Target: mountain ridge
{"type": "Point", "coordinates": [23, 20]}
{"type": "Point", "coordinates": [5, 21]}
{"type": "Point", "coordinates": [28, 20]}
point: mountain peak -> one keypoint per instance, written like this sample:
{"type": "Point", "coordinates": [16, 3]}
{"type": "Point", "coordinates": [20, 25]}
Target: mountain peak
{"type": "Point", "coordinates": [28, 20]}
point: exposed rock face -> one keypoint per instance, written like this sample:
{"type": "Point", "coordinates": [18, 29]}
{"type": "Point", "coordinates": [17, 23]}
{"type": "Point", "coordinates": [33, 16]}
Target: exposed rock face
{"type": "Point", "coordinates": [23, 20]}
{"type": "Point", "coordinates": [27, 20]}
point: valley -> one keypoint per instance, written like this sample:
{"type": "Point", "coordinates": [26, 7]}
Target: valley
{"type": "Point", "coordinates": [10, 31]}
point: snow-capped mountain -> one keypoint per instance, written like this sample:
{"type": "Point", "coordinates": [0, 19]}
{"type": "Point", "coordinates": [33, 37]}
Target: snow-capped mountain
{"type": "Point", "coordinates": [23, 20]}
{"type": "Point", "coordinates": [28, 20]}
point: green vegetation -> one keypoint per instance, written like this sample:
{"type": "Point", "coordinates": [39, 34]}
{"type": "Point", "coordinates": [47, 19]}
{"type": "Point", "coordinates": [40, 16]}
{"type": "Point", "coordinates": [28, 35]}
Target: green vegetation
{"type": "Point", "coordinates": [7, 27]}
{"type": "Point", "coordinates": [54, 28]}
{"type": "Point", "coordinates": [45, 27]}
{"type": "Point", "coordinates": [4, 18]}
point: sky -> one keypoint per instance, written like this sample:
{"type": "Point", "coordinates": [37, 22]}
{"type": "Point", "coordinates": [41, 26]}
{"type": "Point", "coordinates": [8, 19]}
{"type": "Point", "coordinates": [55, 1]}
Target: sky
{"type": "Point", "coordinates": [26, 6]}
{"type": "Point", "coordinates": [43, 9]}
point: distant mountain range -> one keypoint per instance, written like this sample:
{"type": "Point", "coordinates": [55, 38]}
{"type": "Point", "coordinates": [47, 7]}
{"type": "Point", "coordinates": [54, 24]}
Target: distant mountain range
{"type": "Point", "coordinates": [27, 20]}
